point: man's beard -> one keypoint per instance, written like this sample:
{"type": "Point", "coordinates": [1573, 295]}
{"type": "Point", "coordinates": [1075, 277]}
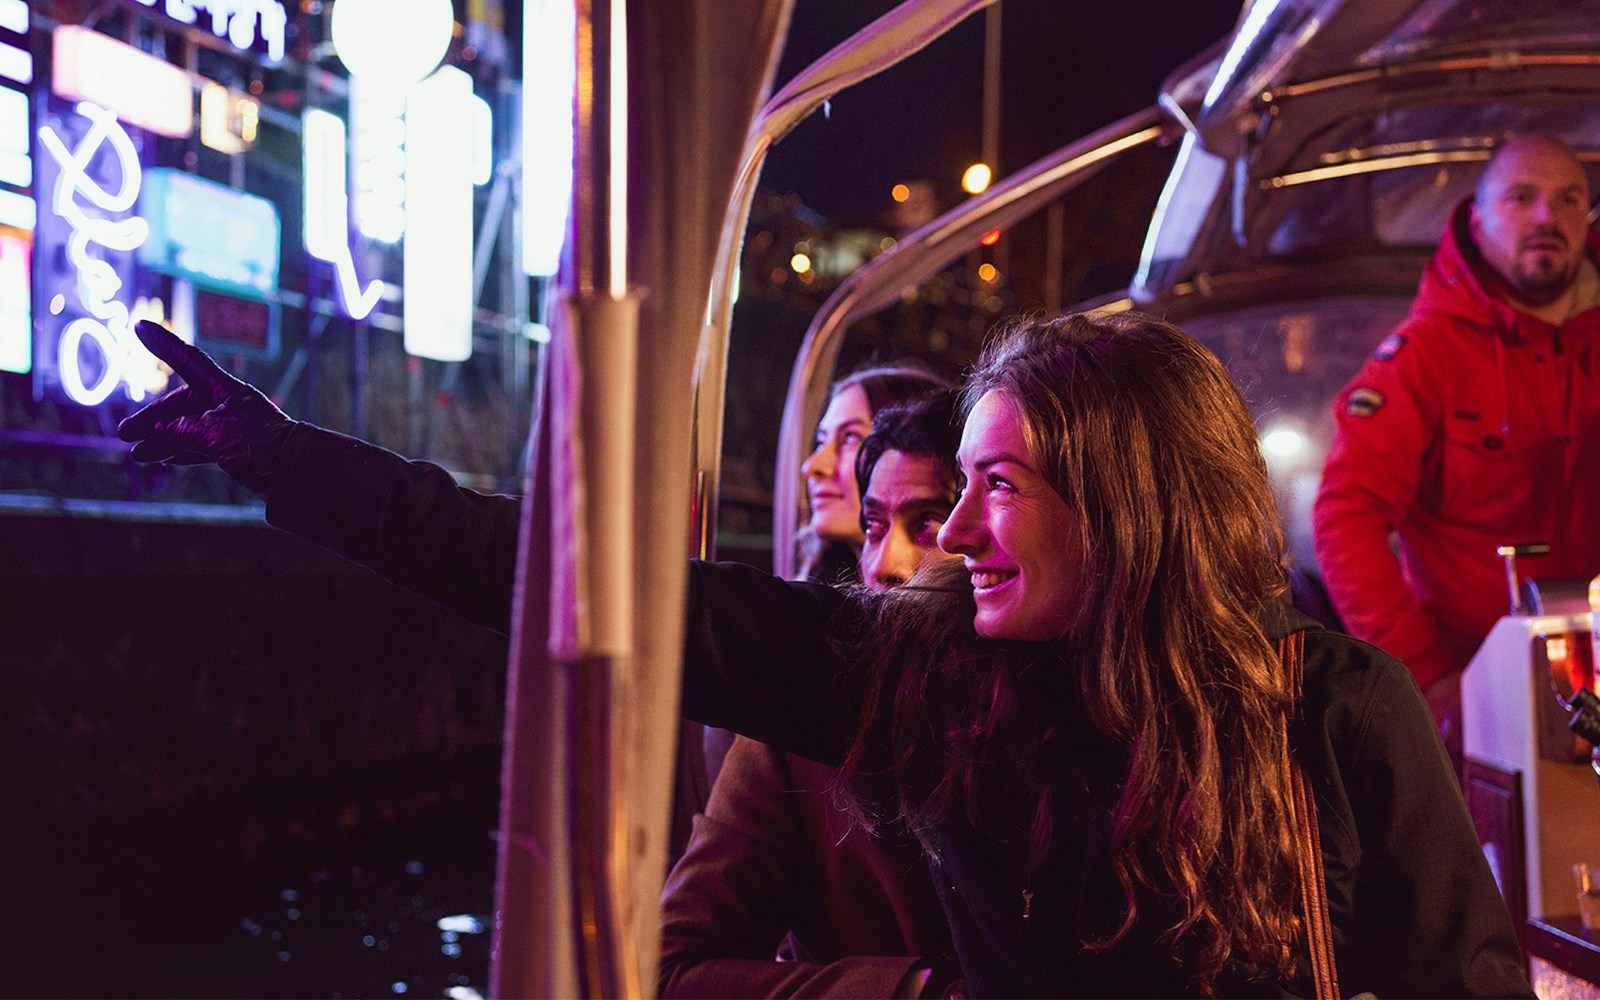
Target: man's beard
{"type": "Point", "coordinates": [1544, 279]}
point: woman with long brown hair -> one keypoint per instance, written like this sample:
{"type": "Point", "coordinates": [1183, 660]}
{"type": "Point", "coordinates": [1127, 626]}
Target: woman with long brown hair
{"type": "Point", "coordinates": [1155, 549]}
{"type": "Point", "coordinates": [1091, 728]}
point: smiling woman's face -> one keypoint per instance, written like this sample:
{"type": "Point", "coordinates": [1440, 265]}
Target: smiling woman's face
{"type": "Point", "coordinates": [831, 470]}
{"type": "Point", "coordinates": [1019, 539]}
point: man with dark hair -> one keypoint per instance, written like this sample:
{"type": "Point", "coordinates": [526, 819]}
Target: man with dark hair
{"type": "Point", "coordinates": [907, 472]}
{"type": "Point", "coordinates": [774, 865]}
{"type": "Point", "coordinates": [1475, 424]}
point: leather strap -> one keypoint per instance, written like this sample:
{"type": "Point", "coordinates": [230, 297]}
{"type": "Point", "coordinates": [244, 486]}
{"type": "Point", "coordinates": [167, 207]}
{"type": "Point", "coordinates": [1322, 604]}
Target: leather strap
{"type": "Point", "coordinates": [1308, 843]}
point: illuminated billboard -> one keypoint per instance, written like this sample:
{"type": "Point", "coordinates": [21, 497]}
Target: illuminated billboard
{"type": "Point", "coordinates": [210, 234]}
{"type": "Point", "coordinates": [144, 91]}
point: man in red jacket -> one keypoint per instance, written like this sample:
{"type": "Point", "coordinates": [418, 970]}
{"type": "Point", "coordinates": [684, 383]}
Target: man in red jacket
{"type": "Point", "coordinates": [1475, 424]}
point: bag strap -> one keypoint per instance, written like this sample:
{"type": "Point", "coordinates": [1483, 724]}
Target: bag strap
{"type": "Point", "coordinates": [1308, 843]}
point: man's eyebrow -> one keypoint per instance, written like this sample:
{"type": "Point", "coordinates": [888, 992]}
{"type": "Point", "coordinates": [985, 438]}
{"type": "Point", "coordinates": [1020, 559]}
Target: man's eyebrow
{"type": "Point", "coordinates": [937, 502]}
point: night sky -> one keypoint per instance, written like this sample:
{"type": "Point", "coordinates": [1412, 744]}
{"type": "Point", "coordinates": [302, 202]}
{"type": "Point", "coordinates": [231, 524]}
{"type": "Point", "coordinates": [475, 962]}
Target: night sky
{"type": "Point", "coordinates": [1068, 69]}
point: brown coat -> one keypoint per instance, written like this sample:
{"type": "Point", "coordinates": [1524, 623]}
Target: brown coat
{"type": "Point", "coordinates": [772, 857]}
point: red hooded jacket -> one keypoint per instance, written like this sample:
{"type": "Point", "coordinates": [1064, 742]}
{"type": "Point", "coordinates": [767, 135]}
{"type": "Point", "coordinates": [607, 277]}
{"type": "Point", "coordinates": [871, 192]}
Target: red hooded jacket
{"type": "Point", "coordinates": [1472, 426]}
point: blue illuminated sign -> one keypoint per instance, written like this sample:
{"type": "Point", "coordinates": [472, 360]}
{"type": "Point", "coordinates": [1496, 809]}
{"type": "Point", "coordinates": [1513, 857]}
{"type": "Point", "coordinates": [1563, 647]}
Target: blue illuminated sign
{"type": "Point", "coordinates": [215, 236]}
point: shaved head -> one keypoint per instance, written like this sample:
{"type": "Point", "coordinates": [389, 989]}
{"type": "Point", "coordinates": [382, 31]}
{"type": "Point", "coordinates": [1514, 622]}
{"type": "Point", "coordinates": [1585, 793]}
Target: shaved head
{"type": "Point", "coordinates": [1530, 218]}
{"type": "Point", "coordinates": [1516, 153]}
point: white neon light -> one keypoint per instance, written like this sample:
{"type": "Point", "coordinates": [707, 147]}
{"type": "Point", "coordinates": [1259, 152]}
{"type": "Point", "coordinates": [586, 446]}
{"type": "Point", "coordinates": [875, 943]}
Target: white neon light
{"type": "Point", "coordinates": [438, 243]}
{"type": "Point", "coordinates": [178, 10]}
{"type": "Point", "coordinates": [327, 211]}
{"type": "Point", "coordinates": [239, 21]}
{"type": "Point", "coordinates": [14, 16]}
{"type": "Point", "coordinates": [18, 210]}
{"type": "Point", "coordinates": [326, 203]}
{"type": "Point", "coordinates": [141, 89]}
{"type": "Point", "coordinates": [549, 46]}
{"type": "Point", "coordinates": [482, 141]}
{"type": "Point", "coordinates": [377, 141]}
{"type": "Point", "coordinates": [14, 133]}
{"type": "Point", "coordinates": [107, 325]}
{"type": "Point", "coordinates": [16, 168]}
{"type": "Point", "coordinates": [16, 160]}
{"type": "Point", "coordinates": [16, 64]}
{"type": "Point", "coordinates": [392, 43]}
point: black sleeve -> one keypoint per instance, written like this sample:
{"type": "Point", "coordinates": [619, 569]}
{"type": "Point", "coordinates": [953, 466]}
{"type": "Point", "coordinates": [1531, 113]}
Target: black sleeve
{"type": "Point", "coordinates": [760, 659]}
{"type": "Point", "coordinates": [1428, 919]}
{"type": "Point", "coordinates": [407, 520]}
{"type": "Point", "coordinates": [759, 654]}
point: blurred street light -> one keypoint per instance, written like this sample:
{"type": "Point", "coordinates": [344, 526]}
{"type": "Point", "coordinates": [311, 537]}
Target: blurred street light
{"type": "Point", "coordinates": [976, 179]}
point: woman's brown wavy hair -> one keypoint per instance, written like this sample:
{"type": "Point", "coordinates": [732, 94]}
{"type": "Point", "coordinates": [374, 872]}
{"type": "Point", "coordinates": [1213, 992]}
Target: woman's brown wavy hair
{"type": "Point", "coordinates": [1139, 428]}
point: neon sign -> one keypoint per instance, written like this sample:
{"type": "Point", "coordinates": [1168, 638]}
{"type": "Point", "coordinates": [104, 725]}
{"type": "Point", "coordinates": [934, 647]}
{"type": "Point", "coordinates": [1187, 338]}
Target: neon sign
{"type": "Point", "coordinates": [147, 92]}
{"type": "Point", "coordinates": [16, 318]}
{"type": "Point", "coordinates": [378, 145]}
{"type": "Point", "coordinates": [440, 122]}
{"type": "Point", "coordinates": [241, 22]}
{"type": "Point", "coordinates": [549, 69]}
{"type": "Point", "coordinates": [327, 211]}
{"type": "Point", "coordinates": [98, 228]}
{"type": "Point", "coordinates": [210, 234]}
{"type": "Point", "coordinates": [18, 212]}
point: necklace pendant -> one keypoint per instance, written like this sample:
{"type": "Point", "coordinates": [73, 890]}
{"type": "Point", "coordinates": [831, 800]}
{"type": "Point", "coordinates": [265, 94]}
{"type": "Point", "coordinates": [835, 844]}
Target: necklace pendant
{"type": "Point", "coordinates": [1027, 903]}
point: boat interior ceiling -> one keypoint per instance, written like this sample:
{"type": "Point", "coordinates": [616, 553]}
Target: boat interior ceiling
{"type": "Point", "coordinates": [1339, 131]}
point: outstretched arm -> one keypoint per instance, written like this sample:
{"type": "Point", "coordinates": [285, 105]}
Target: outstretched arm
{"type": "Point", "coordinates": [758, 657]}
{"type": "Point", "coordinates": [407, 520]}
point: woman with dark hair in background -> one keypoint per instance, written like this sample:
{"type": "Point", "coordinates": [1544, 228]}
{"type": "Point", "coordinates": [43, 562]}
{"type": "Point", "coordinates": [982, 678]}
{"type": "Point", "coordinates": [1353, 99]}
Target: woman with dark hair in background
{"type": "Point", "coordinates": [830, 542]}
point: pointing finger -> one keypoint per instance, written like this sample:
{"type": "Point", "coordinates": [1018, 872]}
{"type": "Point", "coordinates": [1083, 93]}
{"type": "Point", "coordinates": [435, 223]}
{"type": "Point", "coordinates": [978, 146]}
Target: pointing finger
{"type": "Point", "coordinates": [192, 364]}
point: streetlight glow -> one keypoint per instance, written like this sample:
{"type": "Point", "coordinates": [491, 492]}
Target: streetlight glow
{"type": "Point", "coordinates": [1282, 443]}
{"type": "Point", "coordinates": [976, 179]}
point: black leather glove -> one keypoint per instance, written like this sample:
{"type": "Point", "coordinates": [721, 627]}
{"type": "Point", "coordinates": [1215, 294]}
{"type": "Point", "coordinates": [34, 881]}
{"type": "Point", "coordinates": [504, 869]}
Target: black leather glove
{"type": "Point", "coordinates": [214, 417]}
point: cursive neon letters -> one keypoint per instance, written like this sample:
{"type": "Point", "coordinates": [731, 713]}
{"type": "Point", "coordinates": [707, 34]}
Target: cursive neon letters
{"type": "Point", "coordinates": [107, 326]}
